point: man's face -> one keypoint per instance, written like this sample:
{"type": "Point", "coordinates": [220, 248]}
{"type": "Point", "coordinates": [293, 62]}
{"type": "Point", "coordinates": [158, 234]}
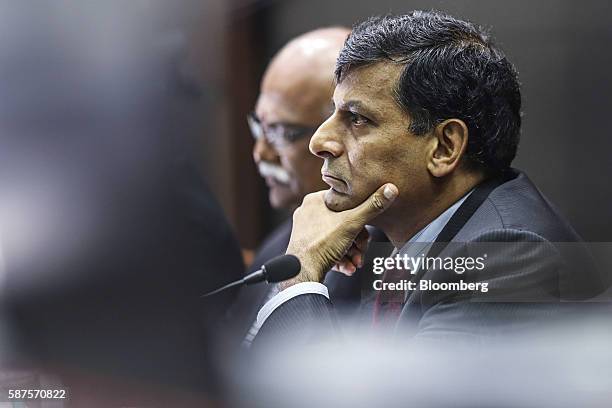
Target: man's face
{"type": "Point", "coordinates": [366, 142]}
{"type": "Point", "coordinates": [290, 170]}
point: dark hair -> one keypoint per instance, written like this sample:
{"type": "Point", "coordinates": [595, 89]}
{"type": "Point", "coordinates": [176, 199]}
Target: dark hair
{"type": "Point", "coordinates": [452, 70]}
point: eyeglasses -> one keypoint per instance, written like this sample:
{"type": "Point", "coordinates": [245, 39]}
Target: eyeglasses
{"type": "Point", "coordinates": [279, 135]}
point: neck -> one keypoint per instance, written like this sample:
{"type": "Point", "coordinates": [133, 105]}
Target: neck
{"type": "Point", "coordinates": [403, 220]}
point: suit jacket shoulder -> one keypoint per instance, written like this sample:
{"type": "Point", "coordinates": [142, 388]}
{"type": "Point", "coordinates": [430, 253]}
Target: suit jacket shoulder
{"type": "Point", "coordinates": [518, 205]}
{"type": "Point", "coordinates": [535, 260]}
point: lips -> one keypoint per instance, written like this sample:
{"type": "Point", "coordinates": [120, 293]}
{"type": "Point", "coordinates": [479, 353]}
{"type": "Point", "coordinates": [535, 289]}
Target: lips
{"type": "Point", "coordinates": [336, 183]}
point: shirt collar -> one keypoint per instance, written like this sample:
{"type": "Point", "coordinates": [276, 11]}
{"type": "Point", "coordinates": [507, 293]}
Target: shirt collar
{"type": "Point", "coordinates": [431, 231]}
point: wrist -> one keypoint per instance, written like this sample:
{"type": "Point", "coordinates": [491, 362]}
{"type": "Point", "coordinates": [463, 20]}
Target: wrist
{"type": "Point", "coordinates": [290, 282]}
{"type": "Point", "coordinates": [306, 274]}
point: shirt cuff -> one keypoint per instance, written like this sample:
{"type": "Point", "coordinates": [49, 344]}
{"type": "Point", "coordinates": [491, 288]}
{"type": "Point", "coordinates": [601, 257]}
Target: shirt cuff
{"type": "Point", "coordinates": [287, 294]}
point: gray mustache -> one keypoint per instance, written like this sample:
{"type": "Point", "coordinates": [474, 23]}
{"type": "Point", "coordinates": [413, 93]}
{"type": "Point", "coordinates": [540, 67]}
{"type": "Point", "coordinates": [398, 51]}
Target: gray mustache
{"type": "Point", "coordinates": [272, 170]}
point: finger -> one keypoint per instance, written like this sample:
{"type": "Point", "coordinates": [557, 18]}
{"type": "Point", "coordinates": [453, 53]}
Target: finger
{"type": "Point", "coordinates": [376, 204]}
{"type": "Point", "coordinates": [347, 262]}
{"type": "Point", "coordinates": [316, 196]}
{"type": "Point", "coordinates": [362, 240]}
{"type": "Point", "coordinates": [355, 255]}
{"type": "Point", "coordinates": [357, 260]}
{"type": "Point", "coordinates": [346, 267]}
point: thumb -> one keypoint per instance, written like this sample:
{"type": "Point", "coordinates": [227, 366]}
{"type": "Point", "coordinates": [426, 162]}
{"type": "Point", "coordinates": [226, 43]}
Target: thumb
{"type": "Point", "coordinates": [376, 204]}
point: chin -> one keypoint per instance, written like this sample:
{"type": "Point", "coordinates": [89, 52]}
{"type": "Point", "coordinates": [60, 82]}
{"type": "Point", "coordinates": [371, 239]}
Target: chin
{"type": "Point", "coordinates": [339, 202]}
{"type": "Point", "coordinates": [283, 198]}
{"type": "Point", "coordinates": [278, 201]}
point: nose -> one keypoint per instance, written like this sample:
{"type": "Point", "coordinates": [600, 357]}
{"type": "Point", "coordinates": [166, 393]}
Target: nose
{"type": "Point", "coordinates": [326, 143]}
{"type": "Point", "coordinates": [263, 151]}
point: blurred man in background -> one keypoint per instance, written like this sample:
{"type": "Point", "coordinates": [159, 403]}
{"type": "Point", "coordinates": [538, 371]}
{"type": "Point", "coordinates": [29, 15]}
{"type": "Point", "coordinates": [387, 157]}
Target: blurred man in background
{"type": "Point", "coordinates": [294, 99]}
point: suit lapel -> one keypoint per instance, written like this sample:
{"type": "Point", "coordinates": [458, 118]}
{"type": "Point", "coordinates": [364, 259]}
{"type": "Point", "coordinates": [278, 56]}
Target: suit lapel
{"type": "Point", "coordinates": [459, 219]}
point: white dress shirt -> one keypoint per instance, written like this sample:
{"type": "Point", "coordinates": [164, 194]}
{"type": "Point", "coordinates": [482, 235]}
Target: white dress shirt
{"type": "Point", "coordinates": [426, 236]}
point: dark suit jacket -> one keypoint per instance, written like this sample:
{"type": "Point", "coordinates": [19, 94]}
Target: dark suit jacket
{"type": "Point", "coordinates": [128, 306]}
{"type": "Point", "coordinates": [534, 260]}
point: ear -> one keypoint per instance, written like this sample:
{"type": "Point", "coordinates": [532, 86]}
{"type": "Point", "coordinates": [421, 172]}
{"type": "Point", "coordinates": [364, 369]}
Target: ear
{"type": "Point", "coordinates": [449, 143]}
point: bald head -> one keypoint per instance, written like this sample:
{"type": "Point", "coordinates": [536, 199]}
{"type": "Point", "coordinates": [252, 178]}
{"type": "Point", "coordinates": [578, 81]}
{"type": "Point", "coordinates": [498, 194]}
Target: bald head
{"type": "Point", "coordinates": [296, 91]}
{"type": "Point", "coordinates": [301, 75]}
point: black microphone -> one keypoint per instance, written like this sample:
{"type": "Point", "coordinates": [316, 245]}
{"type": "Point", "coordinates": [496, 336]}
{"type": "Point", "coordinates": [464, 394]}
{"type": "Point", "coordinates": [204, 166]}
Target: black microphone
{"type": "Point", "coordinates": [275, 270]}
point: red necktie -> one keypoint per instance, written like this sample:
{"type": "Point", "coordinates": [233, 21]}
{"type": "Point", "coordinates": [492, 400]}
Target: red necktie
{"type": "Point", "coordinates": [389, 303]}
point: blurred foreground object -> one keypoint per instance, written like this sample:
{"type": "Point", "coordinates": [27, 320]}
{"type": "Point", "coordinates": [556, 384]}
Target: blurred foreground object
{"type": "Point", "coordinates": [107, 233]}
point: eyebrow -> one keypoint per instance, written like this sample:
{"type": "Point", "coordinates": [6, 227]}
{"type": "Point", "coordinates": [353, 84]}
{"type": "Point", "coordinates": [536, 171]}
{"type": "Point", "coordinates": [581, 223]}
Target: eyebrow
{"type": "Point", "coordinates": [283, 123]}
{"type": "Point", "coordinates": [358, 106]}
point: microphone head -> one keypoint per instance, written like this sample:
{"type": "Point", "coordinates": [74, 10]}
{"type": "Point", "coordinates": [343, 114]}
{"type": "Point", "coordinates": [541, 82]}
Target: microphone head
{"type": "Point", "coordinates": [281, 268]}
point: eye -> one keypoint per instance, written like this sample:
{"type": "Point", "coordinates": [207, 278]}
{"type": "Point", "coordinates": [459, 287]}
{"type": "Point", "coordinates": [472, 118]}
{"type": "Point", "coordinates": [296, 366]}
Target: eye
{"type": "Point", "coordinates": [358, 120]}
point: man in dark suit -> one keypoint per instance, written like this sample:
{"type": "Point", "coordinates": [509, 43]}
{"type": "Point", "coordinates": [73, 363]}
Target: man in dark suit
{"type": "Point", "coordinates": [426, 124]}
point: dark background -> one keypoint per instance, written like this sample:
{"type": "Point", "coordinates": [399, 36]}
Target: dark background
{"type": "Point", "coordinates": [561, 49]}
